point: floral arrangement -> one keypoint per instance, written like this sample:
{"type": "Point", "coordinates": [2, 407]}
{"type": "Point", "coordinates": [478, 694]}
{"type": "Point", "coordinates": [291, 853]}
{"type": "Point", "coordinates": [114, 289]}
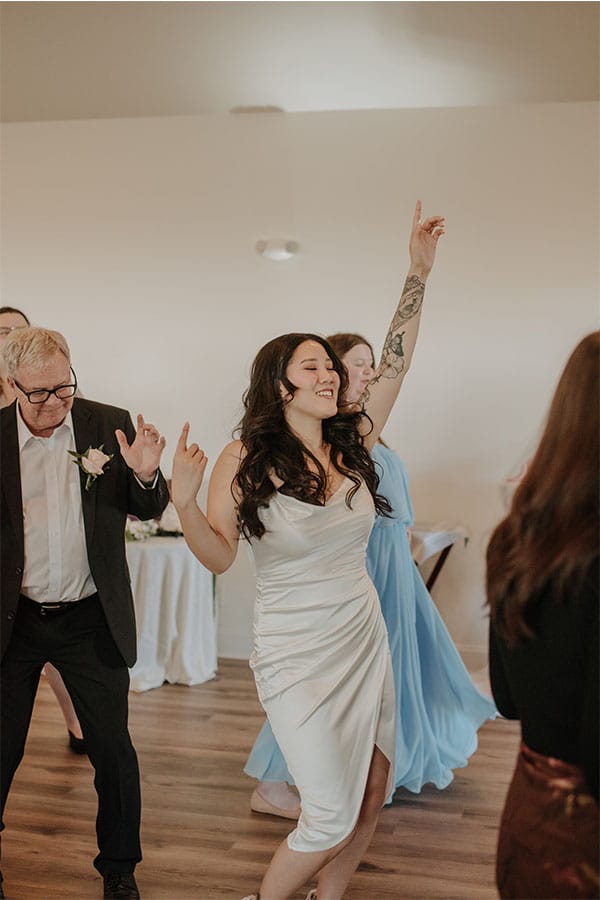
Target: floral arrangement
{"type": "Point", "coordinates": [92, 462]}
{"type": "Point", "coordinates": [136, 530]}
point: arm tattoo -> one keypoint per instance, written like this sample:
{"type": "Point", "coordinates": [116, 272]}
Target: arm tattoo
{"type": "Point", "coordinates": [392, 357]}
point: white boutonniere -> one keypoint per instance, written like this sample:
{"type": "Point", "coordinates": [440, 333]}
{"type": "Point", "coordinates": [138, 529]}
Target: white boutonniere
{"type": "Point", "coordinates": [92, 462]}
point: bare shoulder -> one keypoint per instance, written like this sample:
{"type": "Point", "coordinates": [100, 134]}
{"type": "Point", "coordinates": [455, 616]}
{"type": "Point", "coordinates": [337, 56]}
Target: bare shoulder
{"type": "Point", "coordinates": [222, 479]}
{"type": "Point", "coordinates": [222, 500]}
{"type": "Point", "coordinates": [234, 450]}
{"type": "Point", "coordinates": [229, 460]}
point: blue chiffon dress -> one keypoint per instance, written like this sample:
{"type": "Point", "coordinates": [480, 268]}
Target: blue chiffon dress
{"type": "Point", "coordinates": [438, 708]}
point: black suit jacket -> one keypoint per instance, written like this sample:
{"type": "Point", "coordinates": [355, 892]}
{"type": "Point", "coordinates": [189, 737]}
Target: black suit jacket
{"type": "Point", "coordinates": [105, 507]}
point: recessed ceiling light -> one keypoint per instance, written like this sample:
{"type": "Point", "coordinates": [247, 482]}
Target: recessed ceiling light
{"type": "Point", "coordinates": [277, 249]}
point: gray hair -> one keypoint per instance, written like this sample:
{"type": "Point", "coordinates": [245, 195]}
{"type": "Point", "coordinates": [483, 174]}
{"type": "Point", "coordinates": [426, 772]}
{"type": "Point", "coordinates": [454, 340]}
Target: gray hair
{"type": "Point", "coordinates": [32, 347]}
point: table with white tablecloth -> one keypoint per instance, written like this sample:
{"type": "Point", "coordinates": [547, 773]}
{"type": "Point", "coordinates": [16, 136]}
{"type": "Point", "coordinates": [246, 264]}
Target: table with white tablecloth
{"type": "Point", "coordinates": [175, 613]}
{"type": "Point", "coordinates": [431, 540]}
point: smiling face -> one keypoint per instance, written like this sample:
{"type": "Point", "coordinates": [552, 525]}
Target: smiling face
{"type": "Point", "coordinates": [43, 418]}
{"type": "Point", "coordinates": [359, 365]}
{"type": "Point", "coordinates": [312, 373]}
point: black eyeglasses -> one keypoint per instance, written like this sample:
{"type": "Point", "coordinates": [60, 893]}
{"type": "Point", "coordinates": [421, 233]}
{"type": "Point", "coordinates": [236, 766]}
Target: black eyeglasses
{"type": "Point", "coordinates": [40, 395]}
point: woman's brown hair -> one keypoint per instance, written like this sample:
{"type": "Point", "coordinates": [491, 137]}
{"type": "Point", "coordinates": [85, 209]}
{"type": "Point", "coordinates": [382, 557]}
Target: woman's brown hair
{"type": "Point", "coordinates": [549, 539]}
{"type": "Point", "coordinates": [342, 343]}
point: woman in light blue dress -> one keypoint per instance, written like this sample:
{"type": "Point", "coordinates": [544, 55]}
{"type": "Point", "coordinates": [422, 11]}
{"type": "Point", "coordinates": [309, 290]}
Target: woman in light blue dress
{"type": "Point", "coordinates": [438, 708]}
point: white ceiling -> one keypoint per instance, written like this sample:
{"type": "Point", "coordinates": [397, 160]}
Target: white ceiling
{"type": "Point", "coordinates": [110, 59]}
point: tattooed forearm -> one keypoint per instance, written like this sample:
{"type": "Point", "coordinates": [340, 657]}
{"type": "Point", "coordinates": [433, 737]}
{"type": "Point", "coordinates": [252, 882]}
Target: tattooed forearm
{"type": "Point", "coordinates": [392, 357]}
{"type": "Point", "coordinates": [410, 301]}
{"type": "Point", "coordinates": [393, 361]}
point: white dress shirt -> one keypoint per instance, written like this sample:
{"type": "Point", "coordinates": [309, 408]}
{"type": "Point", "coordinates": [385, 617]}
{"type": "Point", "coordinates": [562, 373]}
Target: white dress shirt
{"type": "Point", "coordinates": [56, 561]}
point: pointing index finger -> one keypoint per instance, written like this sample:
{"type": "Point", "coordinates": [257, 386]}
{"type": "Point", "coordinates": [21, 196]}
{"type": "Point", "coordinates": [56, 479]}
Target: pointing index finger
{"type": "Point", "coordinates": [417, 215]}
{"type": "Point", "coordinates": [182, 442]}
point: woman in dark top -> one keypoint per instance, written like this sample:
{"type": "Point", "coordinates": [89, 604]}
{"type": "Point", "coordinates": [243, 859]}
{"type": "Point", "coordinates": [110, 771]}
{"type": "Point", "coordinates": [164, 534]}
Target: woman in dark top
{"type": "Point", "coordinates": [542, 582]}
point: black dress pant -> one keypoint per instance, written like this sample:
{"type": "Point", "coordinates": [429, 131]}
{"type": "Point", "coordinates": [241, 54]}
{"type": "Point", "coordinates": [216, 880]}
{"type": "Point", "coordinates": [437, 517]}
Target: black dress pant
{"type": "Point", "coordinates": [78, 642]}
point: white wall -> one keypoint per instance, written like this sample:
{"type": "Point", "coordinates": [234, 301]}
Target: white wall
{"type": "Point", "coordinates": [136, 239]}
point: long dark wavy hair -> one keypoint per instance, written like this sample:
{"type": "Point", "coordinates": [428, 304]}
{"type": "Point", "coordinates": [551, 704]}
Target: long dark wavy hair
{"type": "Point", "coordinates": [549, 539]}
{"type": "Point", "coordinates": [272, 448]}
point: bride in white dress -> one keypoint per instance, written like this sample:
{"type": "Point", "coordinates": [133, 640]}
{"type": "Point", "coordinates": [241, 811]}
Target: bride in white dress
{"type": "Point", "coordinates": [301, 487]}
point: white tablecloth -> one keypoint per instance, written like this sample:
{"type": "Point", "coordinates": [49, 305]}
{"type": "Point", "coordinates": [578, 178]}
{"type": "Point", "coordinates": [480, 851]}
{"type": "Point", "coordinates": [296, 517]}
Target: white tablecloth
{"type": "Point", "coordinates": [173, 596]}
{"type": "Point", "coordinates": [427, 540]}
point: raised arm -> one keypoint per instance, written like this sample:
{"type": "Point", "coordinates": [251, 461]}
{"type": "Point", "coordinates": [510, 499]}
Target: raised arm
{"type": "Point", "coordinates": [380, 394]}
{"type": "Point", "coordinates": [212, 538]}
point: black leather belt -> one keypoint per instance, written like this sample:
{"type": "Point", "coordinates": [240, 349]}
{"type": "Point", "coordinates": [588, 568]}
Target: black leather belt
{"type": "Point", "coordinates": [54, 609]}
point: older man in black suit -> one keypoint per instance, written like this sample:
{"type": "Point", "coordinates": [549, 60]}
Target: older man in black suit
{"type": "Point", "coordinates": [71, 471]}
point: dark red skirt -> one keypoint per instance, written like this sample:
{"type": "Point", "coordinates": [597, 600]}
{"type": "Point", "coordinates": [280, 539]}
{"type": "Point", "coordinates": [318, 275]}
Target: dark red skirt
{"type": "Point", "coordinates": [548, 843]}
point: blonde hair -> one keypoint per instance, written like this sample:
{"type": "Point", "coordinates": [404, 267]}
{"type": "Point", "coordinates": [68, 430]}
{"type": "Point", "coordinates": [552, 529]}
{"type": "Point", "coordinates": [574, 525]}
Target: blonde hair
{"type": "Point", "coordinates": [32, 347]}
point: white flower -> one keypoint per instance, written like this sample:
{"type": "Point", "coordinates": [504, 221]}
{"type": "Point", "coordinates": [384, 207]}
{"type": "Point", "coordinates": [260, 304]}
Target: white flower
{"type": "Point", "coordinates": [92, 462]}
{"type": "Point", "coordinates": [136, 530]}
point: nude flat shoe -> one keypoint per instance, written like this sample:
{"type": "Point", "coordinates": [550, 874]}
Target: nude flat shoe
{"type": "Point", "coordinates": [260, 805]}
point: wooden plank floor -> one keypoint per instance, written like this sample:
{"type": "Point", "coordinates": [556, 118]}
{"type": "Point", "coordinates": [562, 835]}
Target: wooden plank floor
{"type": "Point", "coordinates": [199, 837]}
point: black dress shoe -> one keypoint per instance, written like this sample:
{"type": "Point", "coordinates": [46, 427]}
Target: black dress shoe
{"type": "Point", "coordinates": [76, 744]}
{"type": "Point", "coordinates": [120, 886]}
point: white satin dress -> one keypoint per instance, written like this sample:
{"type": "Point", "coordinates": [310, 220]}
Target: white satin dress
{"type": "Point", "coordinates": [321, 657]}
